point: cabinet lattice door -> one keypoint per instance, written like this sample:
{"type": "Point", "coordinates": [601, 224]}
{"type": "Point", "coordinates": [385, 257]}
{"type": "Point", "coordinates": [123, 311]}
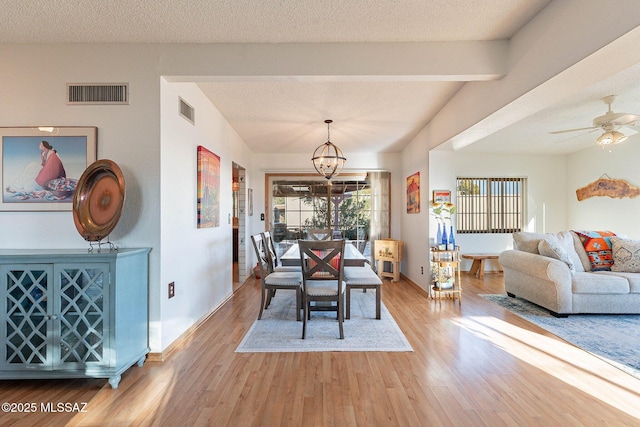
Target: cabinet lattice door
{"type": "Point", "coordinates": [82, 313]}
{"type": "Point", "coordinates": [55, 316]}
{"type": "Point", "coordinates": [26, 292]}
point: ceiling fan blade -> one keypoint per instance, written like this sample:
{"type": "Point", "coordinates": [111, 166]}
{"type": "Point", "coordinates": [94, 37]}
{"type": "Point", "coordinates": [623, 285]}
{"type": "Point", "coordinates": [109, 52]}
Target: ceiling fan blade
{"type": "Point", "coordinates": [574, 130]}
{"type": "Point", "coordinates": [578, 136]}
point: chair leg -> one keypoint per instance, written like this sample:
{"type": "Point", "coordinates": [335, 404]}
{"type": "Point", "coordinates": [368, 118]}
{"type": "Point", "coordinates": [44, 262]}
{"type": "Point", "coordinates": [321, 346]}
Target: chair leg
{"type": "Point", "coordinates": [298, 300]}
{"type": "Point", "coordinates": [270, 295]}
{"type": "Point", "coordinates": [304, 316]}
{"type": "Point", "coordinates": [378, 290]}
{"type": "Point", "coordinates": [341, 316]}
{"type": "Point", "coordinates": [262, 303]}
{"type": "Point", "coordinates": [348, 296]}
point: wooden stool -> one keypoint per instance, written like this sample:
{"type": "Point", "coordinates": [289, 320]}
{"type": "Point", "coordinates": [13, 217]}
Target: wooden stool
{"type": "Point", "coordinates": [477, 268]}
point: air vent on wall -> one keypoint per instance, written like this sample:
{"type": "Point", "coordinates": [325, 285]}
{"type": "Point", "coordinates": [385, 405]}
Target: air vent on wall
{"type": "Point", "coordinates": [97, 93]}
{"type": "Point", "coordinates": [187, 111]}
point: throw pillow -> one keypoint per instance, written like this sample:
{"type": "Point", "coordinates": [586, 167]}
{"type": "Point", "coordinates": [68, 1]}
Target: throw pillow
{"type": "Point", "coordinates": [567, 241]}
{"type": "Point", "coordinates": [551, 247]}
{"type": "Point", "coordinates": [626, 255]}
{"type": "Point", "coordinates": [598, 247]}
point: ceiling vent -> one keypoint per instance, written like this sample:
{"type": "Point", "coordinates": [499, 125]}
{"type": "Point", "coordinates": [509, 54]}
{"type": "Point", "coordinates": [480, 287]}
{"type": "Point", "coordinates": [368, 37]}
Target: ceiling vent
{"type": "Point", "coordinates": [187, 111]}
{"type": "Point", "coordinates": [97, 93]}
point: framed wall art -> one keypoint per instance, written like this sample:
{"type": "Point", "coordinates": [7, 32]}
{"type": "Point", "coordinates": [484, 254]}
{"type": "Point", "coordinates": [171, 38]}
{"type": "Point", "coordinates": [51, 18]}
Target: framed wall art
{"type": "Point", "coordinates": [413, 193]}
{"type": "Point", "coordinates": [441, 196]}
{"type": "Point", "coordinates": [208, 214]}
{"type": "Point", "coordinates": [40, 166]}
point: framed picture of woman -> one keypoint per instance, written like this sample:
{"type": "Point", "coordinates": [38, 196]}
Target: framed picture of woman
{"type": "Point", "coordinates": [40, 166]}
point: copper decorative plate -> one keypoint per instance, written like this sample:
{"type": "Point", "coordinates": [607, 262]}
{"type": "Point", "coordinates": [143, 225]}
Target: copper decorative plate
{"type": "Point", "coordinates": [98, 200]}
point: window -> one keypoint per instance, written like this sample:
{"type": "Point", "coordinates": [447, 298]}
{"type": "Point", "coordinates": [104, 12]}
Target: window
{"type": "Point", "coordinates": [358, 208]}
{"type": "Point", "coordinates": [490, 205]}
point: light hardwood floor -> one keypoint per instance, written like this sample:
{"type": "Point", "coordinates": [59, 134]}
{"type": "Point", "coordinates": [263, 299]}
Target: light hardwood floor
{"type": "Point", "coordinates": [474, 365]}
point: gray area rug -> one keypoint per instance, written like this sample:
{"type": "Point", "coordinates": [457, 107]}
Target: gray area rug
{"type": "Point", "coordinates": [613, 338]}
{"type": "Point", "coordinates": [278, 330]}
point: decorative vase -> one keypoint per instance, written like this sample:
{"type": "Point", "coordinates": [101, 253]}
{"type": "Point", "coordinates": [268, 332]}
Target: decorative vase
{"type": "Point", "coordinates": [439, 235]}
{"type": "Point", "coordinates": [444, 240]}
{"type": "Point", "coordinates": [452, 239]}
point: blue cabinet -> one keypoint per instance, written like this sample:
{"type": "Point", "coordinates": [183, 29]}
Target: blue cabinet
{"type": "Point", "coordinates": [73, 313]}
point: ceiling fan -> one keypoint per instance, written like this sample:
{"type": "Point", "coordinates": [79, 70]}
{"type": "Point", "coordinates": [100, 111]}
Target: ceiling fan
{"type": "Point", "coordinates": [610, 123]}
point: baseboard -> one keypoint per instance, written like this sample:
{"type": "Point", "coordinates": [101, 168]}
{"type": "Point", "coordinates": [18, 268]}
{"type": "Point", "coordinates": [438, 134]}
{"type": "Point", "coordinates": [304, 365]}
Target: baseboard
{"type": "Point", "coordinates": [414, 284]}
{"type": "Point", "coordinates": [183, 339]}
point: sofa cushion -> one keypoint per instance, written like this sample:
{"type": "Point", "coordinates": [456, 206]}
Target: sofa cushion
{"type": "Point", "coordinates": [632, 278]}
{"type": "Point", "coordinates": [626, 255]}
{"type": "Point", "coordinates": [598, 247]}
{"type": "Point", "coordinates": [600, 282]}
{"type": "Point", "coordinates": [551, 247]}
{"type": "Point", "coordinates": [527, 241]}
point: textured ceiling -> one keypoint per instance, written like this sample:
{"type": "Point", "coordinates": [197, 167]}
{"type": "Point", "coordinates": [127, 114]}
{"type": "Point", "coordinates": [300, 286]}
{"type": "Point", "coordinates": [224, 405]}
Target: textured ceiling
{"type": "Point", "coordinates": [242, 21]}
{"type": "Point", "coordinates": [285, 115]}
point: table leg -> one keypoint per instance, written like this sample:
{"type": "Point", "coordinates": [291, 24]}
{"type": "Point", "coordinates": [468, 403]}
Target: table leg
{"type": "Point", "coordinates": [481, 269]}
{"type": "Point", "coordinates": [475, 267]}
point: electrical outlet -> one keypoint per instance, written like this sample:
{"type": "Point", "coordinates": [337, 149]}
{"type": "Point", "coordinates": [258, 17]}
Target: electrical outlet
{"type": "Point", "coordinates": [172, 289]}
{"type": "Point", "coordinates": [421, 270]}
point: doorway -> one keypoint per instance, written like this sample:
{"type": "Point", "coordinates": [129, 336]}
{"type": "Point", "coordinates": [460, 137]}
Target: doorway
{"type": "Point", "coordinates": [239, 197]}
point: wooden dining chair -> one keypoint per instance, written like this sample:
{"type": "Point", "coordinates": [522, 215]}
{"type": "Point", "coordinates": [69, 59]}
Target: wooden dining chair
{"type": "Point", "coordinates": [319, 234]}
{"type": "Point", "coordinates": [273, 280]}
{"type": "Point", "coordinates": [272, 255]}
{"type": "Point", "coordinates": [322, 278]}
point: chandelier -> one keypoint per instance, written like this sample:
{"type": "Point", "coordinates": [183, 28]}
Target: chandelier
{"type": "Point", "coordinates": [328, 159]}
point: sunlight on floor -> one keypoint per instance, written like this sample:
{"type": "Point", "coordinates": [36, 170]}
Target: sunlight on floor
{"type": "Point", "coordinates": [564, 361]}
{"type": "Point", "coordinates": [149, 403]}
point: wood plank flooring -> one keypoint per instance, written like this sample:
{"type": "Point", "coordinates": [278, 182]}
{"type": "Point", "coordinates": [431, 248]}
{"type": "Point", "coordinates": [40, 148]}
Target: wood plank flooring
{"type": "Point", "coordinates": [472, 365]}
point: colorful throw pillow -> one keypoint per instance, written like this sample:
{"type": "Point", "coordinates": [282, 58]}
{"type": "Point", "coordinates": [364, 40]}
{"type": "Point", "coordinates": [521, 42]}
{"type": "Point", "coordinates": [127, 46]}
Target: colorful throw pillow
{"type": "Point", "coordinates": [626, 255]}
{"type": "Point", "coordinates": [598, 246]}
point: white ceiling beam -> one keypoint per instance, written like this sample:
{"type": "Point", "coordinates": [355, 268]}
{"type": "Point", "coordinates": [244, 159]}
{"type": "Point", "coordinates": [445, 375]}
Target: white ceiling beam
{"type": "Point", "coordinates": [414, 61]}
{"type": "Point", "coordinates": [568, 46]}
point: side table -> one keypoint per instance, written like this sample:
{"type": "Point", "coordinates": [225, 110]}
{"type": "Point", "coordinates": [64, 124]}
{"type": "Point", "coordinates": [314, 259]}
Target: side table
{"type": "Point", "coordinates": [445, 273]}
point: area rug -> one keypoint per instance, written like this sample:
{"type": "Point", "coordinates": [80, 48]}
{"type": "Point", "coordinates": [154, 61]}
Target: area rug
{"type": "Point", "coordinates": [278, 330]}
{"type": "Point", "coordinates": [613, 338]}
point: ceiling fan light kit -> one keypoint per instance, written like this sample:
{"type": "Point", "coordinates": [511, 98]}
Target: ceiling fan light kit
{"type": "Point", "coordinates": [611, 138]}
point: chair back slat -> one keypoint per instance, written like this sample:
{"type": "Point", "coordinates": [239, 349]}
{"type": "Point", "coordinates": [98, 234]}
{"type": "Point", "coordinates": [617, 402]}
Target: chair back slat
{"type": "Point", "coordinates": [319, 234]}
{"type": "Point", "coordinates": [261, 255]}
{"type": "Point", "coordinates": [270, 249]}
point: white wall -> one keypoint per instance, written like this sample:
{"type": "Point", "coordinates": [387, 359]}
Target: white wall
{"type": "Point", "coordinates": [205, 281]}
{"type": "Point", "coordinates": [605, 213]}
{"type": "Point", "coordinates": [34, 79]}
{"type": "Point", "coordinates": [547, 195]}
{"type": "Point", "coordinates": [159, 214]}
{"type": "Point", "coordinates": [415, 227]}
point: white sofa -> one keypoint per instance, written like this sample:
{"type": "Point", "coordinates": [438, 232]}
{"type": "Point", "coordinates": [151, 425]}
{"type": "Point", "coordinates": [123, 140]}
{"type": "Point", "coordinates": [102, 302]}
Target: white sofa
{"type": "Point", "coordinates": [563, 281]}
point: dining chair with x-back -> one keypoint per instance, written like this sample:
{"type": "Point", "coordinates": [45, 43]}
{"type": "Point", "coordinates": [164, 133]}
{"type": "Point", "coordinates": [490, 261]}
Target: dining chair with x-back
{"type": "Point", "coordinates": [322, 278]}
{"type": "Point", "coordinates": [273, 280]}
{"type": "Point", "coordinates": [272, 255]}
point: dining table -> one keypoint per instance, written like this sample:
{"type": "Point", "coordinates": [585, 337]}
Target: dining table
{"type": "Point", "coordinates": [352, 257]}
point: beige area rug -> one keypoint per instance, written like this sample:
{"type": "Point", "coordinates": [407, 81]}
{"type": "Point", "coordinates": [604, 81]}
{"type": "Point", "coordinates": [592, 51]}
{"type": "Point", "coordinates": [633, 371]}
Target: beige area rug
{"type": "Point", "coordinates": [278, 330]}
